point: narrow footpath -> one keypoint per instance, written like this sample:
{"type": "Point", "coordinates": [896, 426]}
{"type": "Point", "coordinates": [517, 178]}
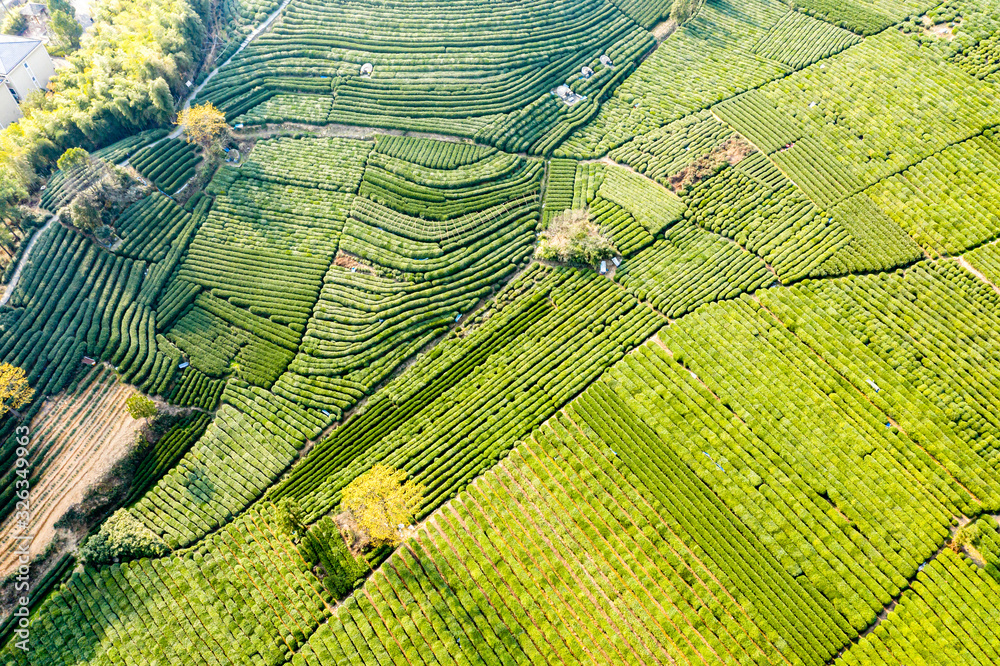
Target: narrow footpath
{"type": "Point", "coordinates": [22, 262]}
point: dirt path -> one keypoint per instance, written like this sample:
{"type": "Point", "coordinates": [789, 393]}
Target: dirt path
{"type": "Point", "coordinates": [663, 30]}
{"type": "Point", "coordinates": [23, 261]}
{"type": "Point", "coordinates": [246, 42]}
{"type": "Point", "coordinates": [342, 131]}
{"type": "Point", "coordinates": [964, 263]}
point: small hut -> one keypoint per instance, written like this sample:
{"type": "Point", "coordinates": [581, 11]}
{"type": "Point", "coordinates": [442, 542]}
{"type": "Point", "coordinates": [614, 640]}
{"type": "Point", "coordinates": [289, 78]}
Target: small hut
{"type": "Point", "coordinates": [566, 94]}
{"type": "Point", "coordinates": [367, 69]}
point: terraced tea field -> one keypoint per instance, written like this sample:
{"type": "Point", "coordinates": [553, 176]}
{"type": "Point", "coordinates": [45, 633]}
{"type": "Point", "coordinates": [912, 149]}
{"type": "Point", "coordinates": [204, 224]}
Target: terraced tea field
{"type": "Point", "coordinates": [685, 319]}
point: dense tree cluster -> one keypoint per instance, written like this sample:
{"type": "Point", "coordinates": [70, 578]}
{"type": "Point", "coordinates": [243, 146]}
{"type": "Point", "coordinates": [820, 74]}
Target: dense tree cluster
{"type": "Point", "coordinates": [130, 68]}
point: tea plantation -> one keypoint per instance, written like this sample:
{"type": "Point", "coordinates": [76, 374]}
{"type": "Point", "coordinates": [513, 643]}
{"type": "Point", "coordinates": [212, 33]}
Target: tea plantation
{"type": "Point", "coordinates": [685, 318]}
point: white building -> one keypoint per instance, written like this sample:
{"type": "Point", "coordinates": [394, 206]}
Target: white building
{"type": "Point", "coordinates": [25, 66]}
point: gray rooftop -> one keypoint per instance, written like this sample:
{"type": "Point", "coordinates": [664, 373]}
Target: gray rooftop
{"type": "Point", "coordinates": [13, 50]}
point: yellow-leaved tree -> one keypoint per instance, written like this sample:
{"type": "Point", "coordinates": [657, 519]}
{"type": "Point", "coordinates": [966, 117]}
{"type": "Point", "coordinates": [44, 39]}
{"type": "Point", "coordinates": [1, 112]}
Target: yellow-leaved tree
{"type": "Point", "coordinates": [141, 407]}
{"type": "Point", "coordinates": [381, 500]}
{"type": "Point", "coordinates": [203, 124]}
{"type": "Point", "coordinates": [14, 390]}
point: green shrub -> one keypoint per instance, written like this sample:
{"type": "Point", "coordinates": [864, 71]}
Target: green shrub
{"type": "Point", "coordinates": [121, 538]}
{"type": "Point", "coordinates": [14, 23]}
{"type": "Point", "coordinates": [573, 238]}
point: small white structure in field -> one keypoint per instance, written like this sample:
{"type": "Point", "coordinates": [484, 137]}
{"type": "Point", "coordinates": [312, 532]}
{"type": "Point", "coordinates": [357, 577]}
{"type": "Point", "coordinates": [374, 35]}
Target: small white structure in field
{"type": "Point", "coordinates": [873, 385]}
{"type": "Point", "coordinates": [183, 365]}
{"type": "Point", "coordinates": [586, 72]}
{"type": "Point", "coordinates": [606, 61]}
{"type": "Point", "coordinates": [604, 267]}
{"type": "Point", "coordinates": [367, 69]}
{"type": "Point", "coordinates": [566, 94]}
{"type": "Point", "coordinates": [617, 261]}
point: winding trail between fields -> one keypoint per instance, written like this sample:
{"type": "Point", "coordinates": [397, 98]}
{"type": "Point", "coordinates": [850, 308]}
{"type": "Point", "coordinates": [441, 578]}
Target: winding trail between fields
{"type": "Point", "coordinates": [246, 42]}
{"type": "Point", "coordinates": [15, 278]}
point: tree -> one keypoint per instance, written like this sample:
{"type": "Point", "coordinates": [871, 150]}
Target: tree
{"type": "Point", "coordinates": [66, 28]}
{"type": "Point", "coordinates": [10, 213]}
{"type": "Point", "coordinates": [14, 390]}
{"type": "Point", "coordinates": [74, 158]}
{"type": "Point", "coordinates": [85, 211]}
{"type": "Point", "coordinates": [380, 500]}
{"type": "Point", "coordinates": [289, 518]}
{"type": "Point", "coordinates": [203, 124]}
{"type": "Point", "coordinates": [103, 191]}
{"type": "Point", "coordinates": [123, 537]}
{"type": "Point", "coordinates": [140, 407]}
{"type": "Point", "coordinates": [14, 23]}
{"type": "Point", "coordinates": [11, 193]}
{"type": "Point", "coordinates": [682, 10]}
{"type": "Point", "coordinates": [572, 237]}
{"type": "Point", "coordinates": [159, 94]}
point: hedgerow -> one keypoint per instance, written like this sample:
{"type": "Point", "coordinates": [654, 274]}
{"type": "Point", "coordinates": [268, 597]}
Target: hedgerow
{"type": "Point", "coordinates": [863, 18]}
{"type": "Point", "coordinates": [756, 484]}
{"type": "Point", "coordinates": [168, 164]}
{"type": "Point", "coordinates": [799, 40]}
{"type": "Point", "coordinates": [986, 259]}
{"type": "Point", "coordinates": [494, 83]}
{"type": "Point", "coordinates": [76, 299]}
{"type": "Point", "coordinates": [254, 437]}
{"type": "Point", "coordinates": [92, 312]}
{"type": "Point", "coordinates": [646, 14]}
{"type": "Point", "coordinates": [289, 107]}
{"type": "Point", "coordinates": [274, 270]}
{"type": "Point", "coordinates": [432, 154]}
{"type": "Point", "coordinates": [460, 408]}
{"type": "Point", "coordinates": [706, 60]}
{"type": "Point", "coordinates": [652, 206]}
{"type": "Point", "coordinates": [936, 325]}
{"type": "Point", "coordinates": [923, 201]}
{"type": "Point", "coordinates": [196, 389]}
{"type": "Point", "coordinates": [61, 187]}
{"type": "Point", "coordinates": [219, 337]}
{"type": "Point", "coordinates": [624, 230]}
{"type": "Point", "coordinates": [949, 613]}
{"type": "Point", "coordinates": [666, 151]}
{"type": "Point", "coordinates": [755, 205]}
{"type": "Point", "coordinates": [586, 183]}
{"type": "Point", "coordinates": [151, 226]}
{"type": "Point", "coordinates": [690, 267]}
{"type": "Point", "coordinates": [826, 126]}
{"type": "Point", "coordinates": [559, 183]}
{"type": "Point", "coordinates": [141, 611]}
{"type": "Point", "coordinates": [432, 235]}
{"type": "Point", "coordinates": [238, 18]}
{"type": "Point", "coordinates": [167, 450]}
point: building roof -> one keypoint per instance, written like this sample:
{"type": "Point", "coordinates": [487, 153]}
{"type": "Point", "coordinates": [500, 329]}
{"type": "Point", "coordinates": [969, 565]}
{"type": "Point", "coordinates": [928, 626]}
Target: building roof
{"type": "Point", "coordinates": [13, 50]}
